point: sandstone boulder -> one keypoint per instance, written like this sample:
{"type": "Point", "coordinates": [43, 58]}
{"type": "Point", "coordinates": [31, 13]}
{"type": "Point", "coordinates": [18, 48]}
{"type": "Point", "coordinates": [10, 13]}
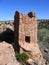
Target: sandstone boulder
{"type": "Point", "coordinates": [7, 55]}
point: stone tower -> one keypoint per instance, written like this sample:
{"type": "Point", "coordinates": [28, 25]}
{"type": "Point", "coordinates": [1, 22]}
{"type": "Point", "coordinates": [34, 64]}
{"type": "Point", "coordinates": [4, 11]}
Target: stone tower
{"type": "Point", "coordinates": [25, 27]}
{"type": "Point", "coordinates": [25, 36]}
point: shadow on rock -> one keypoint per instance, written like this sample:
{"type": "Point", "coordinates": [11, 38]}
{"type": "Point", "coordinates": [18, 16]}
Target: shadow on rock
{"type": "Point", "coordinates": [7, 36]}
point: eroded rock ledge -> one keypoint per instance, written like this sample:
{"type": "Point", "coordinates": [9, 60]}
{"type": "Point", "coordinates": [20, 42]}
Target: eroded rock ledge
{"type": "Point", "coordinates": [7, 55]}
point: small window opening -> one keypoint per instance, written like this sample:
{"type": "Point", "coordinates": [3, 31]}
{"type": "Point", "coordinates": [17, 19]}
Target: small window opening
{"type": "Point", "coordinates": [27, 39]}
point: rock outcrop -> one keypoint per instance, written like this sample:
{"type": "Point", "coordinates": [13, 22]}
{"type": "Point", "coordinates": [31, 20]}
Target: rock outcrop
{"type": "Point", "coordinates": [7, 55]}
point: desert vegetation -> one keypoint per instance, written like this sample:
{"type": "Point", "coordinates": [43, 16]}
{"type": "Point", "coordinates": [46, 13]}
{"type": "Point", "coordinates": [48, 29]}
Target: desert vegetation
{"type": "Point", "coordinates": [43, 38]}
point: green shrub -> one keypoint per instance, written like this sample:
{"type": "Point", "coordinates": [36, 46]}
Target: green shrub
{"type": "Point", "coordinates": [23, 57]}
{"type": "Point", "coordinates": [43, 31]}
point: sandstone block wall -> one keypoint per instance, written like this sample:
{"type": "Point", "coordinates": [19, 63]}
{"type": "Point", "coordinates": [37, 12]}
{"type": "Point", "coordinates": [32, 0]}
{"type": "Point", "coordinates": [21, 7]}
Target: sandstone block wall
{"type": "Point", "coordinates": [25, 28]}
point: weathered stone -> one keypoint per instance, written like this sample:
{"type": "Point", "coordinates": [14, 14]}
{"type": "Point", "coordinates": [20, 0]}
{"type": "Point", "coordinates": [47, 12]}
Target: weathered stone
{"type": "Point", "coordinates": [25, 35]}
{"type": "Point", "coordinates": [25, 24]}
{"type": "Point", "coordinates": [31, 14]}
{"type": "Point", "coordinates": [7, 55]}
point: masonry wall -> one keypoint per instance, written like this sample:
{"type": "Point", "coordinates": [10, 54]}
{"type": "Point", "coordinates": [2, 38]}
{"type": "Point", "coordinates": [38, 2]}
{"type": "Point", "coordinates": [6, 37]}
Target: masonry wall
{"type": "Point", "coordinates": [24, 25]}
{"type": "Point", "coordinates": [27, 27]}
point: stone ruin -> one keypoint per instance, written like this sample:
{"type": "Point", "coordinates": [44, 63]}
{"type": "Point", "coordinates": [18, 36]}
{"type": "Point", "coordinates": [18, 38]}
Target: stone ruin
{"type": "Point", "coordinates": [25, 36]}
{"type": "Point", "coordinates": [25, 27]}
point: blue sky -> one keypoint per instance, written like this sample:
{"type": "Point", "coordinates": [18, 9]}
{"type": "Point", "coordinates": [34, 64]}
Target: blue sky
{"type": "Point", "coordinates": [8, 8]}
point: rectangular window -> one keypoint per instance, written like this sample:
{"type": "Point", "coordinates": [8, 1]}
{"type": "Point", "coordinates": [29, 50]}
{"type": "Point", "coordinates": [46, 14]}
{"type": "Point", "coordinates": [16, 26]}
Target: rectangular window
{"type": "Point", "coordinates": [27, 39]}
